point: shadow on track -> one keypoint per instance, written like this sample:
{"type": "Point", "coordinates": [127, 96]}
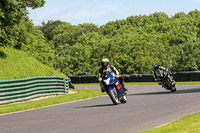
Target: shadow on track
{"type": "Point", "coordinates": [193, 90]}
{"type": "Point", "coordinates": [93, 106]}
{"type": "Point", "coordinates": [152, 93]}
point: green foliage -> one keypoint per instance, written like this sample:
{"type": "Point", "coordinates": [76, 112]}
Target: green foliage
{"type": "Point", "coordinates": [62, 37]}
{"type": "Point", "coordinates": [188, 58]}
{"type": "Point", "coordinates": [47, 28]}
{"type": "Point", "coordinates": [132, 45]}
{"type": "Point", "coordinates": [16, 64]}
{"type": "Point", "coordinates": [11, 14]}
{"type": "Point", "coordinates": [16, 30]}
{"type": "Point", "coordinates": [12, 11]}
{"type": "Point", "coordinates": [34, 43]}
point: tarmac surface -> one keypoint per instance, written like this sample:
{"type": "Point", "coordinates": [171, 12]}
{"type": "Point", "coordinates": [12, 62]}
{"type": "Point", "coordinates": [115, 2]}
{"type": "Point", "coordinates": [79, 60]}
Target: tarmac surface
{"type": "Point", "coordinates": [148, 106]}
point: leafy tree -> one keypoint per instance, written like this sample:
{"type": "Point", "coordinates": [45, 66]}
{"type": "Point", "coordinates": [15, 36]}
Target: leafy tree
{"type": "Point", "coordinates": [31, 40]}
{"type": "Point", "coordinates": [47, 28]}
{"type": "Point", "coordinates": [11, 13]}
{"type": "Point", "coordinates": [132, 45]}
{"type": "Point", "coordinates": [188, 59]}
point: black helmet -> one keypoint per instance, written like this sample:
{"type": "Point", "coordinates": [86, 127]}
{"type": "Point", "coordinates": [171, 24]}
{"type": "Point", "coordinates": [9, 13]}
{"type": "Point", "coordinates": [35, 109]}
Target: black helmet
{"type": "Point", "coordinates": [105, 62]}
{"type": "Point", "coordinates": [156, 65]}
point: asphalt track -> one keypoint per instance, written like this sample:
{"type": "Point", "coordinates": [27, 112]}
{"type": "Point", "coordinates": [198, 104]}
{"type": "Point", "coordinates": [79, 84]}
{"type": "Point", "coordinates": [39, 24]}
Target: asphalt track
{"type": "Point", "coordinates": [147, 107]}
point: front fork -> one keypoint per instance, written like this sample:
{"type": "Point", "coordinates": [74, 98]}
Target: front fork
{"type": "Point", "coordinates": [169, 78]}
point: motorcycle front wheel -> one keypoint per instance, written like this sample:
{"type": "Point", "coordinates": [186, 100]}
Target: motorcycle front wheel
{"type": "Point", "coordinates": [113, 95]}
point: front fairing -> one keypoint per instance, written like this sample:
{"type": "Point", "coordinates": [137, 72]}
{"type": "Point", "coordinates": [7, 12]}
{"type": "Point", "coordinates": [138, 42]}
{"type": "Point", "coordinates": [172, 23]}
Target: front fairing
{"type": "Point", "coordinates": [110, 82]}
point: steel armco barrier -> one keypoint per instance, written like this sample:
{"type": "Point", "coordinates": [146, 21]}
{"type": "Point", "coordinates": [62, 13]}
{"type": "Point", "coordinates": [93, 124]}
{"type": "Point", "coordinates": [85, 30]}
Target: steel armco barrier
{"type": "Point", "coordinates": [178, 76]}
{"type": "Point", "coordinates": [27, 88]}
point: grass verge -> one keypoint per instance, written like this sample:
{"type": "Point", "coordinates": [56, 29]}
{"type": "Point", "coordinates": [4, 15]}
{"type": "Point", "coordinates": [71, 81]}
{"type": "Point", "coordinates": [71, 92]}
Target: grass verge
{"type": "Point", "coordinates": [16, 64]}
{"type": "Point", "coordinates": [187, 124]}
{"type": "Point", "coordinates": [80, 94]}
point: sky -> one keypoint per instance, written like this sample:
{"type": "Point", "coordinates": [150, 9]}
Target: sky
{"type": "Point", "coordinates": [100, 12]}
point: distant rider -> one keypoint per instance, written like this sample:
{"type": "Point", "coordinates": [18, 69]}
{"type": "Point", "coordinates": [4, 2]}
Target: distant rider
{"type": "Point", "coordinates": [70, 84]}
{"type": "Point", "coordinates": [157, 74]}
{"type": "Point", "coordinates": [107, 67]}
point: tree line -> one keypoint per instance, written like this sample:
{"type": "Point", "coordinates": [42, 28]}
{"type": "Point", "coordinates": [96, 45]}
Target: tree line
{"type": "Point", "coordinates": [132, 44]}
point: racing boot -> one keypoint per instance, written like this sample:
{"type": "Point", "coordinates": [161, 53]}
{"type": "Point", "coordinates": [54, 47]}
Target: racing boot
{"type": "Point", "coordinates": [102, 88]}
{"type": "Point", "coordinates": [125, 89]}
{"type": "Point", "coordinates": [121, 80]}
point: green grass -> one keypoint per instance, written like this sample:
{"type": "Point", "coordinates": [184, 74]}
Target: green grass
{"type": "Point", "coordinates": [192, 82]}
{"type": "Point", "coordinates": [81, 94]}
{"type": "Point", "coordinates": [16, 64]}
{"type": "Point", "coordinates": [187, 124]}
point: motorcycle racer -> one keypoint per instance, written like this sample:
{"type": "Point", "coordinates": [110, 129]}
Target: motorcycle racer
{"type": "Point", "coordinates": [107, 67]}
{"type": "Point", "coordinates": [157, 74]}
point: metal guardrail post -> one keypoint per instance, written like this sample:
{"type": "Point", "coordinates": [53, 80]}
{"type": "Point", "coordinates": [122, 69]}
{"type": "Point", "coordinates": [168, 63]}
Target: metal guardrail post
{"type": "Point", "coordinates": [66, 84]}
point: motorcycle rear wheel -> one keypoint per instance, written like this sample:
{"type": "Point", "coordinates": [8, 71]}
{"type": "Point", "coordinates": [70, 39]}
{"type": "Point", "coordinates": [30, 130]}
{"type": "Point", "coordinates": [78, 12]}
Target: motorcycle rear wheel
{"type": "Point", "coordinates": [170, 86]}
{"type": "Point", "coordinates": [124, 99]}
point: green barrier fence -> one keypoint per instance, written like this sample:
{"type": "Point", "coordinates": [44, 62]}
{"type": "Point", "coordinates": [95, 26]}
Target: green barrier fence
{"type": "Point", "coordinates": [27, 88]}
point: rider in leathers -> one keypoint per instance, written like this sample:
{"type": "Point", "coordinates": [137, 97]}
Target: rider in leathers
{"type": "Point", "coordinates": [107, 67]}
{"type": "Point", "coordinates": [157, 74]}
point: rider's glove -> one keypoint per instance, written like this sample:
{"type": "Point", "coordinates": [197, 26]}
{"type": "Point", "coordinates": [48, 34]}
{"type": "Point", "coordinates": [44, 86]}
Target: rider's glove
{"type": "Point", "coordinates": [165, 75]}
{"type": "Point", "coordinates": [100, 79]}
{"type": "Point", "coordinates": [117, 76]}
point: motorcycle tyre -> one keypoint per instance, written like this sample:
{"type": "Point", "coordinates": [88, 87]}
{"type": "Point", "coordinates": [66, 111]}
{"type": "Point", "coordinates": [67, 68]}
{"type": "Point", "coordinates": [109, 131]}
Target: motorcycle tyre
{"type": "Point", "coordinates": [124, 99]}
{"type": "Point", "coordinates": [113, 97]}
{"type": "Point", "coordinates": [170, 86]}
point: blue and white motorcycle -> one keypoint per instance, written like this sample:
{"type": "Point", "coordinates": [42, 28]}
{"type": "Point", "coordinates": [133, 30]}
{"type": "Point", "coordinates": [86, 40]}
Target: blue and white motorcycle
{"type": "Point", "coordinates": [113, 88]}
